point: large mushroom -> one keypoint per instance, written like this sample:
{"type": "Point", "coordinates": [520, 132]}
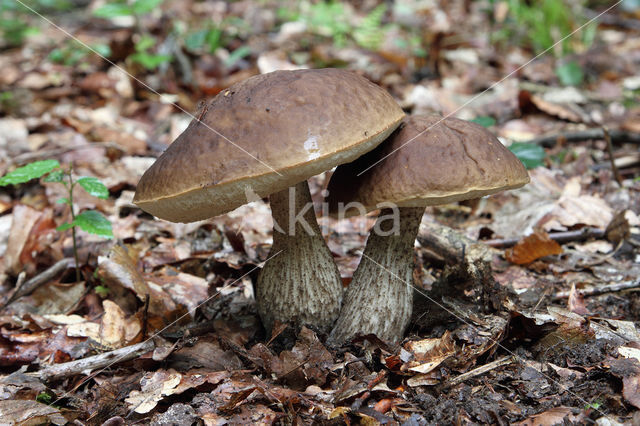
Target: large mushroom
{"type": "Point", "coordinates": [266, 135]}
{"type": "Point", "coordinates": [426, 161]}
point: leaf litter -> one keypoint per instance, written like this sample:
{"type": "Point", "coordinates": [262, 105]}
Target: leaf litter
{"type": "Point", "coordinates": [545, 333]}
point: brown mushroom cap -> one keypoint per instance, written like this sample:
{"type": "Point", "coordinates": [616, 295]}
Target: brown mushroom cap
{"type": "Point", "coordinates": [444, 160]}
{"type": "Point", "coordinates": [294, 124]}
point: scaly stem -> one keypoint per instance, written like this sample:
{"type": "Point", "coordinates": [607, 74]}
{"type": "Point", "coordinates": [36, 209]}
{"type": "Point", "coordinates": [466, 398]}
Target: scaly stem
{"type": "Point", "coordinates": [379, 299]}
{"type": "Point", "coordinates": [301, 283]}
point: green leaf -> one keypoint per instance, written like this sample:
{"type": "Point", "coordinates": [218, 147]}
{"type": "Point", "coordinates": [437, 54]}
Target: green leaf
{"type": "Point", "coordinates": [530, 154]}
{"type": "Point", "coordinates": [64, 226]}
{"type": "Point", "coordinates": [149, 60]}
{"type": "Point", "coordinates": [112, 10]}
{"type": "Point", "coordinates": [145, 43]}
{"type": "Point", "coordinates": [570, 74]}
{"type": "Point", "coordinates": [369, 33]}
{"type": "Point", "coordinates": [140, 7]}
{"type": "Point", "coordinates": [28, 172]}
{"type": "Point", "coordinates": [101, 290]}
{"type": "Point", "coordinates": [95, 223]}
{"type": "Point", "coordinates": [44, 398]}
{"type": "Point", "coordinates": [94, 187]}
{"type": "Point", "coordinates": [63, 200]}
{"type": "Point", "coordinates": [236, 55]}
{"type": "Point", "coordinates": [484, 121]}
{"type": "Point", "coordinates": [55, 176]}
{"type": "Point", "coordinates": [102, 49]}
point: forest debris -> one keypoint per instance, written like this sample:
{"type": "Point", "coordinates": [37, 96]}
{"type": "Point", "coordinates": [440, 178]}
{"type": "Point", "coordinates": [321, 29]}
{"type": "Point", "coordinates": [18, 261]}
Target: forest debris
{"type": "Point", "coordinates": [33, 283]}
{"type": "Point", "coordinates": [532, 247]}
{"type": "Point", "coordinates": [206, 353]}
{"type": "Point", "coordinates": [506, 360]}
{"type": "Point", "coordinates": [593, 291]}
{"type": "Point", "coordinates": [24, 412]}
{"type": "Point", "coordinates": [576, 302]}
{"type": "Point", "coordinates": [24, 219]}
{"type": "Point", "coordinates": [554, 416]}
{"type": "Point", "coordinates": [619, 136]}
{"type": "Point", "coordinates": [86, 365]}
{"type": "Point", "coordinates": [560, 237]}
{"type": "Point", "coordinates": [155, 386]}
{"type": "Point", "coordinates": [428, 354]}
{"type": "Point", "coordinates": [114, 330]}
{"type": "Point", "coordinates": [629, 370]}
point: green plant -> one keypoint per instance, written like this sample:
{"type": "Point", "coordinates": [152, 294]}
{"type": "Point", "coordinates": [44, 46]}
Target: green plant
{"type": "Point", "coordinates": [530, 154]}
{"type": "Point", "coordinates": [208, 39]}
{"type": "Point", "coordinates": [145, 57]}
{"type": "Point", "coordinates": [370, 33]}
{"type": "Point", "coordinates": [570, 74]}
{"type": "Point", "coordinates": [72, 52]}
{"type": "Point", "coordinates": [14, 27]}
{"type": "Point", "coordinates": [484, 121]}
{"type": "Point", "coordinates": [135, 8]}
{"type": "Point", "coordinates": [146, 42]}
{"type": "Point", "coordinates": [14, 18]}
{"type": "Point", "coordinates": [329, 19]}
{"type": "Point", "coordinates": [543, 23]}
{"type": "Point", "coordinates": [89, 221]}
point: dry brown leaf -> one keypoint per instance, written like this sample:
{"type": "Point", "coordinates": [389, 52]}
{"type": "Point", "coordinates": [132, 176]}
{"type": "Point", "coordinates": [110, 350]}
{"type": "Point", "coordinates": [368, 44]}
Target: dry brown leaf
{"type": "Point", "coordinates": [429, 353]}
{"type": "Point", "coordinates": [563, 111]}
{"type": "Point", "coordinates": [532, 247]}
{"type": "Point", "coordinates": [24, 219]}
{"type": "Point", "coordinates": [552, 417]}
{"type": "Point", "coordinates": [576, 302]}
{"type": "Point", "coordinates": [23, 412]}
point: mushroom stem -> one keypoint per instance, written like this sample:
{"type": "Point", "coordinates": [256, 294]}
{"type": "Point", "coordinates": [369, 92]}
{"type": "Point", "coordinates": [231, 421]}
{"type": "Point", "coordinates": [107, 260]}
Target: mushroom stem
{"type": "Point", "coordinates": [301, 283]}
{"type": "Point", "coordinates": [379, 299]}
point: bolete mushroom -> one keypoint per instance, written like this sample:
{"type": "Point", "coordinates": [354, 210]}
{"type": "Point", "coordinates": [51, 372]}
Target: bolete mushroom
{"type": "Point", "coordinates": [266, 135]}
{"type": "Point", "coordinates": [426, 161]}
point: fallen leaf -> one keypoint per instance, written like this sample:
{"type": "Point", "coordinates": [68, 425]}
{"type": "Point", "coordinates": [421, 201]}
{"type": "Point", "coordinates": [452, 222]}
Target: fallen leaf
{"type": "Point", "coordinates": [532, 247]}
{"type": "Point", "coordinates": [23, 412]}
{"type": "Point", "coordinates": [552, 417]}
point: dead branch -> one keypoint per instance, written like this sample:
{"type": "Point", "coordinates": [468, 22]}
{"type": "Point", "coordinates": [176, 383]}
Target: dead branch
{"type": "Point", "coordinates": [607, 138]}
{"type": "Point", "coordinates": [618, 136]}
{"type": "Point", "coordinates": [594, 291]}
{"type": "Point", "coordinates": [560, 237]}
{"type": "Point", "coordinates": [479, 371]}
{"type": "Point", "coordinates": [30, 285]}
{"type": "Point", "coordinates": [28, 157]}
{"type": "Point", "coordinates": [86, 365]}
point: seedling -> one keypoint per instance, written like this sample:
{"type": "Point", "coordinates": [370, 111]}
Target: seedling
{"type": "Point", "coordinates": [137, 9]}
{"type": "Point", "coordinates": [89, 221]}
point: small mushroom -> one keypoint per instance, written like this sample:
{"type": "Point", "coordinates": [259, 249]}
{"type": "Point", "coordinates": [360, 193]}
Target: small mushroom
{"type": "Point", "coordinates": [426, 161]}
{"type": "Point", "coordinates": [266, 136]}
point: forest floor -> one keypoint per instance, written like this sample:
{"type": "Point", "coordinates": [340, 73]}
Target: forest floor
{"type": "Point", "coordinates": [527, 312]}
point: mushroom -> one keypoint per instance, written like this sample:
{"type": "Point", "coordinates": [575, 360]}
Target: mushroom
{"type": "Point", "coordinates": [427, 161]}
{"type": "Point", "coordinates": [266, 135]}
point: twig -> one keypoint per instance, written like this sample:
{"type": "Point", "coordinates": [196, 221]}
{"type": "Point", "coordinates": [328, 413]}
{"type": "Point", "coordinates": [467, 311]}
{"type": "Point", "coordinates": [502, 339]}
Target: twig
{"type": "Point", "coordinates": [549, 141]}
{"type": "Point", "coordinates": [33, 156]}
{"type": "Point", "coordinates": [480, 370]}
{"type": "Point", "coordinates": [45, 276]}
{"type": "Point", "coordinates": [560, 237]}
{"type": "Point", "coordinates": [85, 365]}
{"type": "Point", "coordinates": [614, 168]}
{"type": "Point", "coordinates": [594, 291]}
